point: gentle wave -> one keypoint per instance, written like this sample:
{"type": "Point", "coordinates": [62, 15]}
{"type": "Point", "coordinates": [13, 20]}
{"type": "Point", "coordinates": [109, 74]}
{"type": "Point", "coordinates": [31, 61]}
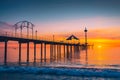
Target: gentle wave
{"type": "Point", "coordinates": [89, 72]}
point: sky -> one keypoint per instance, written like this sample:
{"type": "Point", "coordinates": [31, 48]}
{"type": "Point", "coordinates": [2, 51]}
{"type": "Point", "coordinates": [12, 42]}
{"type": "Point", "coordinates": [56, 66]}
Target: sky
{"type": "Point", "coordinates": [101, 17]}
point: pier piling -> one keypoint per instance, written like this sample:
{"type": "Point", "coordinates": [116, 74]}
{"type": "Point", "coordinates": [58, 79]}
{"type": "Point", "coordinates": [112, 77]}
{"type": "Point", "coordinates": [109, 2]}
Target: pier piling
{"type": "Point", "coordinates": [41, 52]}
{"type": "Point", "coordinates": [45, 52]}
{"type": "Point", "coordinates": [34, 52]}
{"type": "Point", "coordinates": [20, 52]}
{"type": "Point", "coordinates": [5, 55]}
{"type": "Point", "coordinates": [27, 52]}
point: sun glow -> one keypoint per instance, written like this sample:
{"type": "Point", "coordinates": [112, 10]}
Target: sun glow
{"type": "Point", "coordinates": [99, 46]}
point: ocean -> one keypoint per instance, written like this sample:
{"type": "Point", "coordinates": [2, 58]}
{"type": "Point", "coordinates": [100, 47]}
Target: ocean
{"type": "Point", "coordinates": [94, 63]}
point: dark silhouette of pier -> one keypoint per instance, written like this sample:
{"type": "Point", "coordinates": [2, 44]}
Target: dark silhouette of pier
{"type": "Point", "coordinates": [55, 46]}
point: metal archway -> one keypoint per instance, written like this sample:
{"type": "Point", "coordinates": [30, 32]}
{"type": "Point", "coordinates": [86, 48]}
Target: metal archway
{"type": "Point", "coordinates": [24, 24]}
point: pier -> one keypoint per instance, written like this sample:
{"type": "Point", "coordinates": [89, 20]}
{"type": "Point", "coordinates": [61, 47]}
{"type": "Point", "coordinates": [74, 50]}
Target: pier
{"type": "Point", "coordinates": [55, 46]}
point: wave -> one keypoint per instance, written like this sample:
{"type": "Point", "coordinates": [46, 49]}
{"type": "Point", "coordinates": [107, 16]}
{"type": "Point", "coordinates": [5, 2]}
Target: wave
{"type": "Point", "coordinates": [88, 72]}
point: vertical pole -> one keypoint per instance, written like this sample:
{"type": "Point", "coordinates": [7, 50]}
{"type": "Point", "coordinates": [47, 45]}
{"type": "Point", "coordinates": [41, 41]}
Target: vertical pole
{"type": "Point", "coordinates": [54, 51]}
{"type": "Point", "coordinates": [32, 32]}
{"type": "Point", "coordinates": [50, 54]}
{"type": "Point", "coordinates": [45, 52]}
{"type": "Point", "coordinates": [34, 52]}
{"type": "Point", "coordinates": [36, 34]}
{"type": "Point", "coordinates": [64, 52]}
{"type": "Point", "coordinates": [70, 51]}
{"type": "Point", "coordinates": [27, 52]}
{"type": "Point", "coordinates": [78, 48]}
{"type": "Point", "coordinates": [21, 31]}
{"type": "Point", "coordinates": [86, 38]}
{"type": "Point", "coordinates": [27, 32]}
{"type": "Point", "coordinates": [57, 52]}
{"type": "Point", "coordinates": [5, 55]}
{"type": "Point", "coordinates": [27, 29]}
{"type": "Point", "coordinates": [53, 38]}
{"type": "Point", "coordinates": [73, 52]}
{"type": "Point", "coordinates": [41, 52]}
{"type": "Point", "coordinates": [74, 49]}
{"type": "Point", "coordinates": [60, 51]}
{"type": "Point", "coordinates": [15, 31]}
{"type": "Point", "coordinates": [67, 51]}
{"type": "Point", "coordinates": [19, 52]}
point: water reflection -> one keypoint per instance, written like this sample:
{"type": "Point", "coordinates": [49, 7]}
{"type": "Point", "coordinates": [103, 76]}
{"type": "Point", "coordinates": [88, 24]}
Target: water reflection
{"type": "Point", "coordinates": [86, 51]}
{"type": "Point", "coordinates": [64, 55]}
{"type": "Point", "coordinates": [55, 54]}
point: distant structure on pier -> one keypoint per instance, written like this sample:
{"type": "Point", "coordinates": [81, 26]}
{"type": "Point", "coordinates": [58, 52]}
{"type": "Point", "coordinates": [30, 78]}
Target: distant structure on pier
{"type": "Point", "coordinates": [72, 37]}
{"type": "Point", "coordinates": [24, 24]}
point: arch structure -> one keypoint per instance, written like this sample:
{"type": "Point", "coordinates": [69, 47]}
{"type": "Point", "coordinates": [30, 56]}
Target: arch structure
{"type": "Point", "coordinates": [24, 24]}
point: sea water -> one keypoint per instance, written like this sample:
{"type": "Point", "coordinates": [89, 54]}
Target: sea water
{"type": "Point", "coordinates": [99, 63]}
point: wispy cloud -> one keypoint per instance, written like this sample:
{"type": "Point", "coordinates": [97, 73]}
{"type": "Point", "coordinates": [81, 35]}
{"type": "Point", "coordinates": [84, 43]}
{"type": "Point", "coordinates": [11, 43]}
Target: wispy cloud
{"type": "Point", "coordinates": [5, 26]}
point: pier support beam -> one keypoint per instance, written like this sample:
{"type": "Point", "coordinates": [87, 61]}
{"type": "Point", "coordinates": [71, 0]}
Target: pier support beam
{"type": "Point", "coordinates": [45, 52]}
{"type": "Point", "coordinates": [27, 52]}
{"type": "Point", "coordinates": [74, 49]}
{"type": "Point", "coordinates": [20, 52]}
{"type": "Point", "coordinates": [64, 51]}
{"type": "Point", "coordinates": [50, 53]}
{"type": "Point", "coordinates": [60, 52]}
{"type": "Point", "coordinates": [34, 52]}
{"type": "Point", "coordinates": [5, 55]}
{"type": "Point", "coordinates": [67, 52]}
{"type": "Point", "coordinates": [70, 51]}
{"type": "Point", "coordinates": [57, 52]}
{"type": "Point", "coordinates": [41, 52]}
{"type": "Point", "coordinates": [54, 52]}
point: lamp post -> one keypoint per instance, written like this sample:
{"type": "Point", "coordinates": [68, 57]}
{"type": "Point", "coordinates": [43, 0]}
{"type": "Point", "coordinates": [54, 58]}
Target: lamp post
{"type": "Point", "coordinates": [21, 31]}
{"type": "Point", "coordinates": [36, 33]}
{"type": "Point", "coordinates": [53, 38]}
{"type": "Point", "coordinates": [32, 32]}
{"type": "Point", "coordinates": [85, 36]}
{"type": "Point", "coordinates": [15, 31]}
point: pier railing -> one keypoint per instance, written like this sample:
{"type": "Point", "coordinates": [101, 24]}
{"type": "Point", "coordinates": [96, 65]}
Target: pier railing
{"type": "Point", "coordinates": [44, 38]}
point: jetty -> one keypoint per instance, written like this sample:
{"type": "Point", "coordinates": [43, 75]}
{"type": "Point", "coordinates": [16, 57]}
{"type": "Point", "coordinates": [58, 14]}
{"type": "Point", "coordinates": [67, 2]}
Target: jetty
{"type": "Point", "coordinates": [55, 46]}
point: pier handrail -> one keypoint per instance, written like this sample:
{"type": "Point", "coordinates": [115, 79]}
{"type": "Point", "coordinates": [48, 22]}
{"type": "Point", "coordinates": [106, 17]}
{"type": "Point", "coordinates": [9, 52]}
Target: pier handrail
{"type": "Point", "coordinates": [11, 34]}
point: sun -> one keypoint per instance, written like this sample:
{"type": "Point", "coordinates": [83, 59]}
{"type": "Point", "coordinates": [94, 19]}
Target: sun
{"type": "Point", "coordinates": [99, 46]}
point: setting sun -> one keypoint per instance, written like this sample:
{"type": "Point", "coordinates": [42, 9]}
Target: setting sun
{"type": "Point", "coordinates": [99, 46]}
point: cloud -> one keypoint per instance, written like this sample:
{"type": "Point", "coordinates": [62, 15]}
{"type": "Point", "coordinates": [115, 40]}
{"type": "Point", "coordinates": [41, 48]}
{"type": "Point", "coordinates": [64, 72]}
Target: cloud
{"type": "Point", "coordinates": [5, 26]}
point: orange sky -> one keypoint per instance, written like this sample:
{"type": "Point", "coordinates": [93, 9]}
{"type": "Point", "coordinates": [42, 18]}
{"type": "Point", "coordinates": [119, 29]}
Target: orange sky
{"type": "Point", "coordinates": [100, 29]}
